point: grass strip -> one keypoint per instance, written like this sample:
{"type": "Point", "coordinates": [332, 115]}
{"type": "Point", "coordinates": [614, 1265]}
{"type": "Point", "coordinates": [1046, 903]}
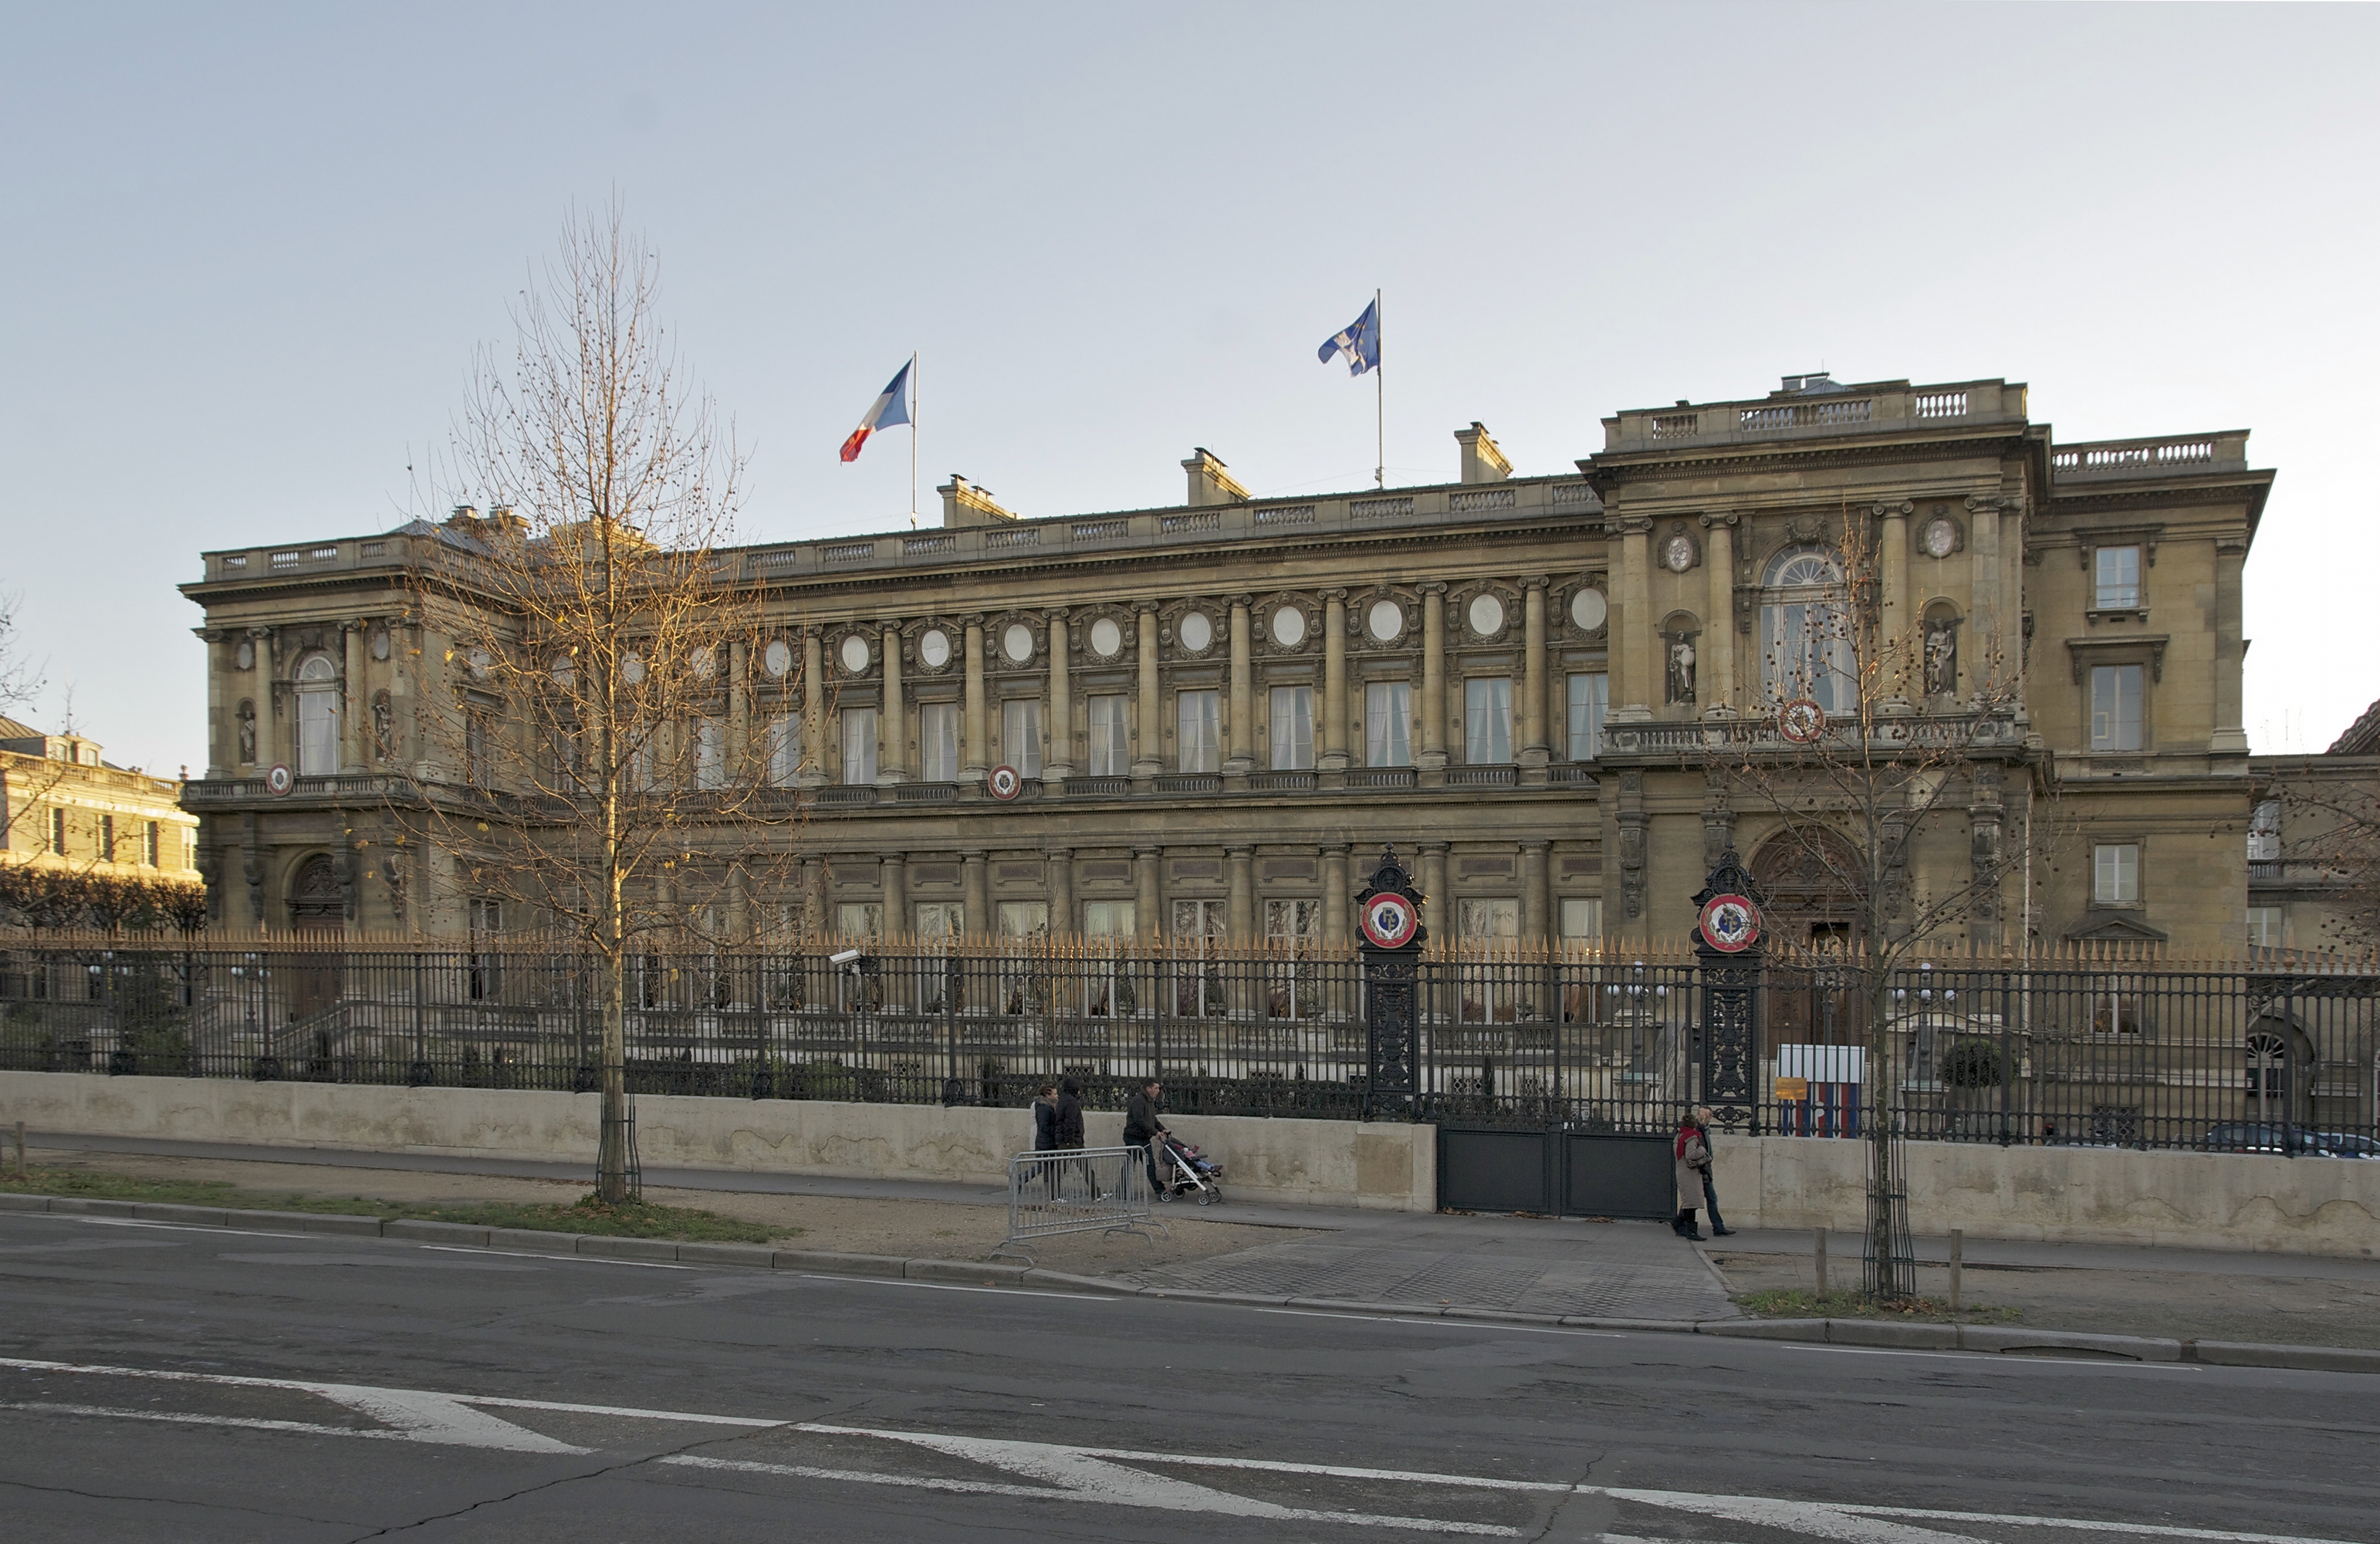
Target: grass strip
{"type": "Point", "coordinates": [587, 1215]}
{"type": "Point", "coordinates": [1802, 1302]}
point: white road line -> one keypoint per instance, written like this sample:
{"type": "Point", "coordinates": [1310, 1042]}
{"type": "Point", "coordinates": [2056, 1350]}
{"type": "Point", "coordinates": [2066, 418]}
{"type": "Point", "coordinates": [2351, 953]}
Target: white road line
{"type": "Point", "coordinates": [949, 1286]}
{"type": "Point", "coordinates": [186, 1227]}
{"type": "Point", "coordinates": [575, 1260]}
{"type": "Point", "coordinates": [184, 1417]}
{"type": "Point", "coordinates": [2154, 1530]}
{"type": "Point", "coordinates": [1072, 1476]}
{"type": "Point", "coordinates": [1442, 1323]}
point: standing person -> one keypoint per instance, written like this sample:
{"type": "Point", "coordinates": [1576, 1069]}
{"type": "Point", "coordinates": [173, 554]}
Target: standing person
{"type": "Point", "coordinates": [1142, 1129]}
{"type": "Point", "coordinates": [1069, 1132]}
{"type": "Point", "coordinates": [1045, 1118]}
{"type": "Point", "coordinates": [1702, 1119]}
{"type": "Point", "coordinates": [1693, 1156]}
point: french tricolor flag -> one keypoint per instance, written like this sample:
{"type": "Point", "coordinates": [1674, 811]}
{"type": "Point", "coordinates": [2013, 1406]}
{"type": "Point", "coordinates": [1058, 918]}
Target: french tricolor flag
{"type": "Point", "coordinates": [890, 408]}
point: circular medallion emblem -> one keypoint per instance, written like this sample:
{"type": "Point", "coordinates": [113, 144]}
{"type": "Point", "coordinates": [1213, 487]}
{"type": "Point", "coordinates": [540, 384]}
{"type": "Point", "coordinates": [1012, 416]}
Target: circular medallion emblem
{"type": "Point", "coordinates": [1731, 923]}
{"type": "Point", "coordinates": [1678, 553]}
{"type": "Point", "coordinates": [1389, 921]}
{"type": "Point", "coordinates": [278, 780]}
{"type": "Point", "coordinates": [1004, 783]}
{"type": "Point", "coordinates": [1802, 720]}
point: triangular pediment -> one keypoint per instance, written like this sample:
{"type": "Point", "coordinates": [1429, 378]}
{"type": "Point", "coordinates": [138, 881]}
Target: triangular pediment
{"type": "Point", "coordinates": [2118, 926]}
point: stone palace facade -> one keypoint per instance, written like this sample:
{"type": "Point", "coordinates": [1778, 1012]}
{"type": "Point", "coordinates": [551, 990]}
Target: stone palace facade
{"type": "Point", "coordinates": [1217, 711]}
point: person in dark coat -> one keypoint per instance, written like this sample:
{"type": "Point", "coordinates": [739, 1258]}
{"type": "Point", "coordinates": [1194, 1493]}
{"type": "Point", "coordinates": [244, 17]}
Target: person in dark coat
{"type": "Point", "coordinates": [1045, 1119]}
{"type": "Point", "coordinates": [1693, 1157]}
{"type": "Point", "coordinates": [1702, 1119]}
{"type": "Point", "coordinates": [1142, 1129]}
{"type": "Point", "coordinates": [1070, 1114]}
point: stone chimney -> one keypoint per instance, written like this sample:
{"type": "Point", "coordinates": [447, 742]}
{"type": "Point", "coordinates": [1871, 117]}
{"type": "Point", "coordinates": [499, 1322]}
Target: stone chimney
{"type": "Point", "coordinates": [1482, 461]}
{"type": "Point", "coordinates": [963, 504]}
{"type": "Point", "coordinates": [1209, 484]}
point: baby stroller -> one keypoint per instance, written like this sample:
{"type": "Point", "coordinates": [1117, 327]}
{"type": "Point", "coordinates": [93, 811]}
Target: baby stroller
{"type": "Point", "coordinates": [1187, 1170]}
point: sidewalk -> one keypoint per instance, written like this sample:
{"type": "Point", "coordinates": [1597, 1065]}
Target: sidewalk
{"type": "Point", "coordinates": [1618, 1270]}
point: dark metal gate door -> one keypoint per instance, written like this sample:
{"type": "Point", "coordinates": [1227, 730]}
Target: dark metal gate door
{"type": "Point", "coordinates": [1554, 1171]}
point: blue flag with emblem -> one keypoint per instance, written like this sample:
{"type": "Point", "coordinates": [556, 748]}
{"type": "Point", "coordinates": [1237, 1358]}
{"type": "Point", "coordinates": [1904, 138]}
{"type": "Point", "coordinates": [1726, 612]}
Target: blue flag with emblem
{"type": "Point", "coordinates": [1360, 341]}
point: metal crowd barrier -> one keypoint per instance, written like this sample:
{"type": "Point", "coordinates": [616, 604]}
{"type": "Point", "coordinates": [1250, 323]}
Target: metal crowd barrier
{"type": "Point", "coordinates": [1077, 1190]}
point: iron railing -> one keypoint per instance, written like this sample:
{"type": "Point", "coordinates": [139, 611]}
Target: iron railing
{"type": "Point", "coordinates": [2274, 1056]}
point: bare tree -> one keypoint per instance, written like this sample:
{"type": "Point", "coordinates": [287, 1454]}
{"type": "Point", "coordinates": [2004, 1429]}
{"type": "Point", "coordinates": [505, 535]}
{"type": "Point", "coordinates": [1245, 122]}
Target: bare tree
{"type": "Point", "coordinates": [2329, 827]}
{"type": "Point", "coordinates": [20, 679]}
{"type": "Point", "coordinates": [602, 771]}
{"type": "Point", "coordinates": [1884, 756]}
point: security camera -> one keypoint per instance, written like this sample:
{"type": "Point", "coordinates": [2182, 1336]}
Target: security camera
{"type": "Point", "coordinates": [849, 956]}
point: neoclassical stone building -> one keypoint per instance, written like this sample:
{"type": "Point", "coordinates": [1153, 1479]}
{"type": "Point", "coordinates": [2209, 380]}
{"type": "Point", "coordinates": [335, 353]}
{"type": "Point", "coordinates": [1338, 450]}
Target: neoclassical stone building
{"type": "Point", "coordinates": [1217, 711]}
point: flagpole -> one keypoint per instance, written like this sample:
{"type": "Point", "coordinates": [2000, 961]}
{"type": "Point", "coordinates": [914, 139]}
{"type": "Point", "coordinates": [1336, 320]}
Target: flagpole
{"type": "Point", "coordinates": [913, 440]}
{"type": "Point", "coordinates": [1381, 403]}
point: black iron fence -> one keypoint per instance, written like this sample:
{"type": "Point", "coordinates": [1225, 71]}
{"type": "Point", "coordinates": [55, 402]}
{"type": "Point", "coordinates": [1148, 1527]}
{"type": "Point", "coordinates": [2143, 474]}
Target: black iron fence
{"type": "Point", "coordinates": [2257, 1057]}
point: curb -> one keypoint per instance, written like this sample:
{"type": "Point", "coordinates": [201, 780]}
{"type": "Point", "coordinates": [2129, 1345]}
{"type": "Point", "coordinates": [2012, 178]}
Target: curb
{"type": "Point", "coordinates": [2002, 1340]}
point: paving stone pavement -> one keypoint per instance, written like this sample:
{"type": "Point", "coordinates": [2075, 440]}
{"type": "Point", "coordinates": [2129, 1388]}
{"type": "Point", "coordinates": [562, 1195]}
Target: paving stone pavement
{"type": "Point", "coordinates": [1603, 1270]}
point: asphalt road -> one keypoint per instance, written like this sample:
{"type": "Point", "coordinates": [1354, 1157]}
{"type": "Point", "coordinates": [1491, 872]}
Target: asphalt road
{"type": "Point", "coordinates": [165, 1382]}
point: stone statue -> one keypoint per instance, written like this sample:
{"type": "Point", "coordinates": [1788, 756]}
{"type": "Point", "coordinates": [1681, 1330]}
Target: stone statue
{"type": "Point", "coordinates": [1941, 659]}
{"type": "Point", "coordinates": [248, 734]}
{"type": "Point", "coordinates": [1682, 670]}
{"type": "Point", "coordinates": [384, 726]}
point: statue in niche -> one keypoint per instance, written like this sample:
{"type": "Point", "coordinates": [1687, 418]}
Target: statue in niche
{"type": "Point", "coordinates": [1941, 657]}
{"type": "Point", "coordinates": [383, 718]}
{"type": "Point", "coordinates": [1682, 668]}
{"type": "Point", "coordinates": [248, 734]}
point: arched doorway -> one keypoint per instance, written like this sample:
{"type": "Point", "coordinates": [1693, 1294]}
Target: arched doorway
{"type": "Point", "coordinates": [318, 906]}
{"type": "Point", "coordinates": [1809, 879]}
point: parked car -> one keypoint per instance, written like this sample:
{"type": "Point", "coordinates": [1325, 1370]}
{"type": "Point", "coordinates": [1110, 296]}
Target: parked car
{"type": "Point", "coordinates": [2346, 1144]}
{"type": "Point", "coordinates": [2260, 1136]}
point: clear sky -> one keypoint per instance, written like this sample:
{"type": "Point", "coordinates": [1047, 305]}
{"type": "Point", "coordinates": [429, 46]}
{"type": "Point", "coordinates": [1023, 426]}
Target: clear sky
{"type": "Point", "coordinates": [248, 252]}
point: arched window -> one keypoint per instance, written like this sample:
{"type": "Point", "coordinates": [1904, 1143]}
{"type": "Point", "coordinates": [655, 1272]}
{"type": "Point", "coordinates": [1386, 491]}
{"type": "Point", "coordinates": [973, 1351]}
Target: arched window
{"type": "Point", "coordinates": [318, 716]}
{"type": "Point", "coordinates": [1805, 631]}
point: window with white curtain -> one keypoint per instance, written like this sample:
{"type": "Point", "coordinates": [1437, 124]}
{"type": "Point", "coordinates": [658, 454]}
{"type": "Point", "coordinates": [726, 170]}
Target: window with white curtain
{"type": "Point", "coordinates": [2115, 706]}
{"type": "Point", "coordinates": [938, 742]}
{"type": "Point", "coordinates": [318, 717]}
{"type": "Point", "coordinates": [1292, 728]}
{"type": "Point", "coordinates": [710, 753]}
{"type": "Point", "coordinates": [859, 744]}
{"type": "Point", "coordinates": [1020, 736]}
{"type": "Point", "coordinates": [784, 750]}
{"type": "Point", "coordinates": [2118, 577]}
{"type": "Point", "coordinates": [1388, 724]}
{"type": "Point", "coordinates": [1590, 696]}
{"type": "Point", "coordinates": [2116, 873]}
{"type": "Point", "coordinates": [1805, 631]}
{"type": "Point", "coordinates": [1111, 736]}
{"type": "Point", "coordinates": [1197, 745]}
{"type": "Point", "coordinates": [1487, 720]}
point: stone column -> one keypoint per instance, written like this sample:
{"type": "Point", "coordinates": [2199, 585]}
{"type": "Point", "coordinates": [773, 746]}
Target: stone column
{"type": "Point", "coordinates": [1437, 907]}
{"type": "Point", "coordinates": [1535, 743]}
{"type": "Point", "coordinates": [813, 769]}
{"type": "Point", "coordinates": [739, 716]}
{"type": "Point", "coordinates": [2231, 738]}
{"type": "Point", "coordinates": [1061, 892]}
{"type": "Point", "coordinates": [1058, 760]}
{"type": "Point", "coordinates": [1995, 658]}
{"type": "Point", "coordinates": [261, 692]}
{"type": "Point", "coordinates": [974, 763]}
{"type": "Point", "coordinates": [1146, 901]}
{"type": "Point", "coordinates": [1715, 683]}
{"type": "Point", "coordinates": [1241, 915]}
{"type": "Point", "coordinates": [1337, 898]}
{"type": "Point", "coordinates": [891, 759]}
{"type": "Point", "coordinates": [355, 701]}
{"type": "Point", "coordinates": [1334, 681]}
{"type": "Point", "coordinates": [814, 896]}
{"type": "Point", "coordinates": [1898, 637]}
{"type": "Point", "coordinates": [1431, 757]}
{"type": "Point", "coordinates": [1636, 673]}
{"type": "Point", "coordinates": [223, 707]}
{"type": "Point", "coordinates": [979, 892]}
{"type": "Point", "coordinates": [1242, 758]}
{"type": "Point", "coordinates": [893, 871]}
{"type": "Point", "coordinates": [1537, 921]}
{"type": "Point", "coordinates": [1148, 747]}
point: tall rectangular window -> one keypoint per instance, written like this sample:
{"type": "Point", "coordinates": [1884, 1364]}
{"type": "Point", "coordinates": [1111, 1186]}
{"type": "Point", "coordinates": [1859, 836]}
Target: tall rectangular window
{"type": "Point", "coordinates": [1197, 745]}
{"type": "Point", "coordinates": [107, 838]}
{"type": "Point", "coordinates": [2119, 578]}
{"type": "Point", "coordinates": [941, 922]}
{"type": "Point", "coordinates": [2264, 832]}
{"type": "Point", "coordinates": [2116, 874]}
{"type": "Point", "coordinates": [477, 748]}
{"type": "Point", "coordinates": [2268, 928]}
{"type": "Point", "coordinates": [1581, 917]}
{"type": "Point", "coordinates": [938, 742]}
{"type": "Point", "coordinates": [859, 744]}
{"type": "Point", "coordinates": [1388, 724]}
{"type": "Point", "coordinates": [317, 731]}
{"type": "Point", "coordinates": [784, 750]}
{"type": "Point", "coordinates": [58, 831]}
{"type": "Point", "coordinates": [1111, 736]}
{"type": "Point", "coordinates": [150, 845]}
{"type": "Point", "coordinates": [1024, 919]}
{"type": "Point", "coordinates": [710, 753]}
{"type": "Point", "coordinates": [1020, 736]}
{"type": "Point", "coordinates": [1487, 720]}
{"type": "Point", "coordinates": [859, 919]}
{"type": "Point", "coordinates": [1292, 728]}
{"type": "Point", "coordinates": [1590, 696]}
{"type": "Point", "coordinates": [2115, 706]}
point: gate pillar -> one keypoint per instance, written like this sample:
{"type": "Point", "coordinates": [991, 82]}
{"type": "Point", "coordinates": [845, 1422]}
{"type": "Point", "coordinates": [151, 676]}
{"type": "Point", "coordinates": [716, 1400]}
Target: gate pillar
{"type": "Point", "coordinates": [1728, 944]}
{"type": "Point", "coordinates": [1388, 915]}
